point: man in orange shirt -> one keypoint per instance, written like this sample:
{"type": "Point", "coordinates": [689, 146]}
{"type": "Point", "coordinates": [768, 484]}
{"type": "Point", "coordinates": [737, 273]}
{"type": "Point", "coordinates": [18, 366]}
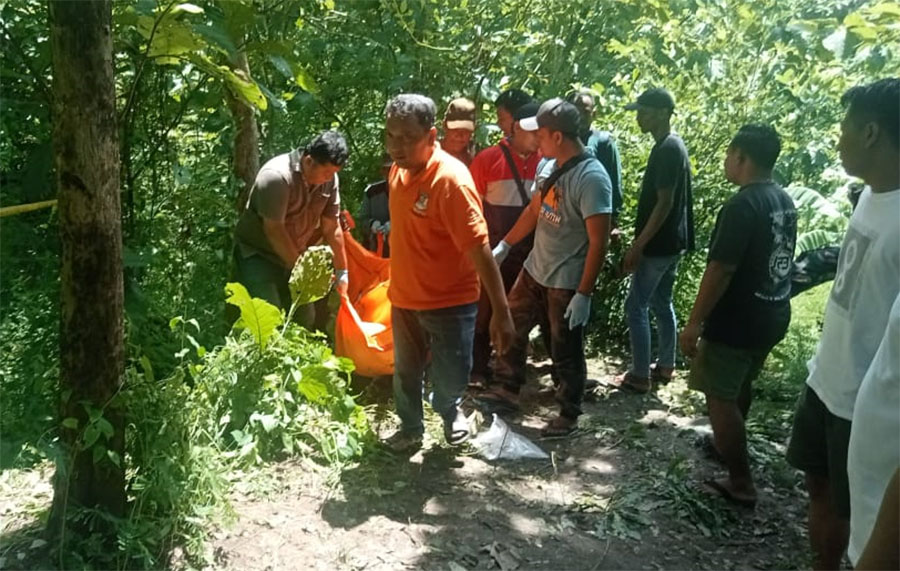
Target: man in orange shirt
{"type": "Point", "coordinates": [439, 250]}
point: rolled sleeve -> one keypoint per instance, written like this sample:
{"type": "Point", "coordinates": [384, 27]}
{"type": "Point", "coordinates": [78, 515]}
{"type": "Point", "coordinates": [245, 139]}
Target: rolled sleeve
{"type": "Point", "coordinates": [596, 195]}
{"type": "Point", "coordinates": [461, 215]}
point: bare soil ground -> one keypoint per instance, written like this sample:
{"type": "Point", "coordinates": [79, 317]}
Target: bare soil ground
{"type": "Point", "coordinates": [622, 493]}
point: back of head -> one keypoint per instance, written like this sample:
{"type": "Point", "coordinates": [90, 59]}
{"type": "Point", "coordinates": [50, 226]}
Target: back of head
{"type": "Point", "coordinates": [413, 105]}
{"type": "Point", "coordinates": [512, 99]}
{"type": "Point", "coordinates": [580, 97]}
{"type": "Point", "coordinates": [877, 102]}
{"type": "Point", "coordinates": [328, 147]}
{"type": "Point", "coordinates": [759, 142]}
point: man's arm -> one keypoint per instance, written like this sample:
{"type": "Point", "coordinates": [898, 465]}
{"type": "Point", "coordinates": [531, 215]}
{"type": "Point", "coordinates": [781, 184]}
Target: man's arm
{"type": "Point", "coordinates": [502, 328]}
{"type": "Point", "coordinates": [277, 235]}
{"type": "Point", "coordinates": [526, 223]}
{"type": "Point", "coordinates": [334, 237]}
{"type": "Point", "coordinates": [597, 227]}
{"type": "Point", "coordinates": [882, 550]}
{"type": "Point", "coordinates": [665, 198]}
{"type": "Point", "coordinates": [715, 282]}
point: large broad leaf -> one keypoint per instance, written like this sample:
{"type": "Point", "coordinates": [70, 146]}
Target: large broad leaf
{"type": "Point", "coordinates": [817, 239]}
{"type": "Point", "coordinates": [248, 91]}
{"type": "Point", "coordinates": [260, 317]}
{"type": "Point", "coordinates": [311, 277]}
{"type": "Point", "coordinates": [807, 198]}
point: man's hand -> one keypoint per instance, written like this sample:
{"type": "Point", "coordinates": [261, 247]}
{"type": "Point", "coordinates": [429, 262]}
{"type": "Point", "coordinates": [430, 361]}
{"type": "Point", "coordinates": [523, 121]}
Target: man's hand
{"type": "Point", "coordinates": [342, 281]}
{"type": "Point", "coordinates": [386, 228]}
{"type": "Point", "coordinates": [503, 332]}
{"type": "Point", "coordinates": [500, 251]}
{"type": "Point", "coordinates": [579, 310]}
{"type": "Point", "coordinates": [688, 339]}
{"type": "Point", "coordinates": [632, 259]}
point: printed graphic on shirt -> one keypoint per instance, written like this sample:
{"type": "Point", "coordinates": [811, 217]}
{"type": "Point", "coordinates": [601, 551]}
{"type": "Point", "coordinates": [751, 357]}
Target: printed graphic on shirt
{"type": "Point", "coordinates": [421, 204]}
{"type": "Point", "coordinates": [778, 286]}
{"type": "Point", "coordinates": [550, 206]}
{"type": "Point", "coordinates": [853, 253]}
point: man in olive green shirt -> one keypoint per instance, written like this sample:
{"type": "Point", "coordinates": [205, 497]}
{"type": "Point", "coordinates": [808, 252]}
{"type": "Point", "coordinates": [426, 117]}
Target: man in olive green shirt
{"type": "Point", "coordinates": [294, 203]}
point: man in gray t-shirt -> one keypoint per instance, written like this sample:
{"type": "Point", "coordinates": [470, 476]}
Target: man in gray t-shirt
{"type": "Point", "coordinates": [293, 204]}
{"type": "Point", "coordinates": [569, 214]}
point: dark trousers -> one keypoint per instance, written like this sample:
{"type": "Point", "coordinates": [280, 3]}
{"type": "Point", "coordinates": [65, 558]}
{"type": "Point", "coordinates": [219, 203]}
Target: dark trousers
{"type": "Point", "coordinates": [481, 346]}
{"type": "Point", "coordinates": [446, 334]}
{"type": "Point", "coordinates": [266, 280]}
{"type": "Point", "coordinates": [530, 304]}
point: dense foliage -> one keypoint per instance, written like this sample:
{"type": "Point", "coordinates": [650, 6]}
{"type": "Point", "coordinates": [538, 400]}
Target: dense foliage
{"type": "Point", "coordinates": [318, 64]}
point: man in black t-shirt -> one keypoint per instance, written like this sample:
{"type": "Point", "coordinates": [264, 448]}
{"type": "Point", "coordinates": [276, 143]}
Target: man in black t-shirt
{"type": "Point", "coordinates": [743, 307]}
{"type": "Point", "coordinates": [664, 230]}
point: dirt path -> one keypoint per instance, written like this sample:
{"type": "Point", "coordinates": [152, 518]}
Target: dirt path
{"type": "Point", "coordinates": [621, 494]}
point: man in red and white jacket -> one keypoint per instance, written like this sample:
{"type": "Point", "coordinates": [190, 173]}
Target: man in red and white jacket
{"type": "Point", "coordinates": [504, 177]}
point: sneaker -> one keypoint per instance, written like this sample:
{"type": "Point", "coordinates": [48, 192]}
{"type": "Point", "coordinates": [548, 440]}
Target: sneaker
{"type": "Point", "coordinates": [402, 442]}
{"type": "Point", "coordinates": [458, 431]}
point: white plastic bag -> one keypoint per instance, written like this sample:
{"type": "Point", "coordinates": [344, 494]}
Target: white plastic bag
{"type": "Point", "coordinates": [499, 442]}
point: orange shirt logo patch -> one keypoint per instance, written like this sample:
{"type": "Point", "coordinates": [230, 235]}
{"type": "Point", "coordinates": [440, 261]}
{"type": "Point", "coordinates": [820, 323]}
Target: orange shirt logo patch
{"type": "Point", "coordinates": [421, 204]}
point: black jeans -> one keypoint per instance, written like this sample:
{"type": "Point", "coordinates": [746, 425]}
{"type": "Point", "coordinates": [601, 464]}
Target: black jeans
{"type": "Point", "coordinates": [530, 304]}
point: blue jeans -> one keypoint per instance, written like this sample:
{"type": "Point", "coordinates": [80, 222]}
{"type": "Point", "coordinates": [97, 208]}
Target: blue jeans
{"type": "Point", "coordinates": [445, 336]}
{"type": "Point", "coordinates": [651, 287]}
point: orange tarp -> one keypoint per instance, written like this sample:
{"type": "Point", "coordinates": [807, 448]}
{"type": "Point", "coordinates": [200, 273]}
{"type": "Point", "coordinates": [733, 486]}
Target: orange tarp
{"type": "Point", "coordinates": [363, 327]}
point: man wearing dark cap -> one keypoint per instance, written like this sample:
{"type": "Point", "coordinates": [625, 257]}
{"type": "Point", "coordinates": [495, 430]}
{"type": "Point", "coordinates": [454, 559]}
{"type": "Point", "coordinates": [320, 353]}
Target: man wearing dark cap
{"type": "Point", "coordinates": [504, 177]}
{"type": "Point", "coordinates": [600, 144]}
{"type": "Point", "coordinates": [459, 124]}
{"type": "Point", "coordinates": [664, 230]}
{"type": "Point", "coordinates": [507, 103]}
{"type": "Point", "coordinates": [374, 215]}
{"type": "Point", "coordinates": [569, 214]}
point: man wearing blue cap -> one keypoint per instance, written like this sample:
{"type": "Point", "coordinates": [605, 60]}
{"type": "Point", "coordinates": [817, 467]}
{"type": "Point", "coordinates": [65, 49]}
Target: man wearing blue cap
{"type": "Point", "coordinates": [664, 230]}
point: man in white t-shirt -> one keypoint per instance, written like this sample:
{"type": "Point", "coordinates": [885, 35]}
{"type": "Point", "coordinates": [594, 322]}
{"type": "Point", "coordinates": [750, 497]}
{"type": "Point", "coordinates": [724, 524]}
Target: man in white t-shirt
{"type": "Point", "coordinates": [866, 284]}
{"type": "Point", "coordinates": [874, 452]}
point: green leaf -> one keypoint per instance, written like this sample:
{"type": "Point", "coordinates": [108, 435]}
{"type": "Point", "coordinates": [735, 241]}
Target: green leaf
{"type": "Point", "coordinates": [836, 41]}
{"type": "Point", "coordinates": [257, 316]}
{"type": "Point", "coordinates": [817, 239]}
{"type": "Point", "coordinates": [147, 368]}
{"type": "Point", "coordinates": [106, 428]}
{"type": "Point", "coordinates": [267, 421]}
{"type": "Point", "coordinates": [70, 422]}
{"type": "Point", "coordinates": [305, 80]}
{"type": "Point", "coordinates": [91, 434]}
{"type": "Point", "coordinates": [99, 453]}
{"type": "Point", "coordinates": [114, 457]}
{"type": "Point", "coordinates": [313, 389]}
{"type": "Point", "coordinates": [311, 276]}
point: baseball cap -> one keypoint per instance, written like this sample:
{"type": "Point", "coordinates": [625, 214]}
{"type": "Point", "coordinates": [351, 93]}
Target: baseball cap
{"type": "Point", "coordinates": [525, 113]}
{"type": "Point", "coordinates": [555, 114]}
{"type": "Point", "coordinates": [460, 114]}
{"type": "Point", "coordinates": [655, 97]}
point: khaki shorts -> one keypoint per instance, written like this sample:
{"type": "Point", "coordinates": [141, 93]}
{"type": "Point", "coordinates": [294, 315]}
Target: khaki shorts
{"type": "Point", "coordinates": [723, 372]}
{"type": "Point", "coordinates": [819, 442]}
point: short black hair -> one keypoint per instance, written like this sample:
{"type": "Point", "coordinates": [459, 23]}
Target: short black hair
{"type": "Point", "coordinates": [328, 147]}
{"type": "Point", "coordinates": [512, 99]}
{"type": "Point", "coordinates": [759, 142]}
{"type": "Point", "coordinates": [878, 102]}
{"type": "Point", "coordinates": [420, 107]}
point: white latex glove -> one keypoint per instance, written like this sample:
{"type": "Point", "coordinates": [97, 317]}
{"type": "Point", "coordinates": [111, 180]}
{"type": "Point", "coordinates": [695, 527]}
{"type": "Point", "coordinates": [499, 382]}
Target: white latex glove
{"type": "Point", "coordinates": [578, 311]}
{"type": "Point", "coordinates": [500, 251]}
{"type": "Point", "coordinates": [342, 281]}
{"type": "Point", "coordinates": [386, 228]}
{"type": "Point", "coordinates": [375, 227]}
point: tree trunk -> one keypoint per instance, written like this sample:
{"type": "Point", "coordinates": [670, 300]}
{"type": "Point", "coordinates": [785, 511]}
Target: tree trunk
{"type": "Point", "coordinates": [86, 152]}
{"type": "Point", "coordinates": [246, 134]}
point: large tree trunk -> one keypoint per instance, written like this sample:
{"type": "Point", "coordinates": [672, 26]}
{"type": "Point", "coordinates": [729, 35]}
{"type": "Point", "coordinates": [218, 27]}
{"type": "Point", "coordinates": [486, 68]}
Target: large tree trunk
{"type": "Point", "coordinates": [246, 134]}
{"type": "Point", "coordinates": [86, 150]}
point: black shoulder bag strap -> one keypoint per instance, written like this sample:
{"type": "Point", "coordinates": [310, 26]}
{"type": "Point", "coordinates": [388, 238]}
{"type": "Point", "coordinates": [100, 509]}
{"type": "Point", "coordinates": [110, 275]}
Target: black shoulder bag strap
{"type": "Point", "coordinates": [554, 176]}
{"type": "Point", "coordinates": [519, 184]}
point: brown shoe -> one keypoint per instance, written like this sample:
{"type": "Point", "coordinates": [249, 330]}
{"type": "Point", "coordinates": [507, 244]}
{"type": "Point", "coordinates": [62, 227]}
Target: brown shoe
{"type": "Point", "coordinates": [633, 383]}
{"type": "Point", "coordinates": [661, 375]}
